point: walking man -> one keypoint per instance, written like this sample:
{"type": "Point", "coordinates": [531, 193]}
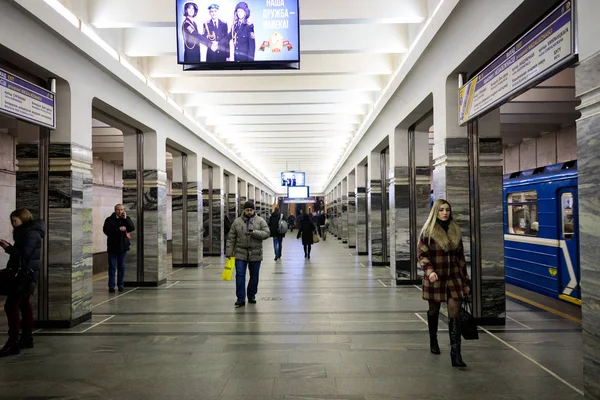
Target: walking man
{"type": "Point", "coordinates": [276, 228]}
{"type": "Point", "coordinates": [244, 242]}
{"type": "Point", "coordinates": [117, 229]}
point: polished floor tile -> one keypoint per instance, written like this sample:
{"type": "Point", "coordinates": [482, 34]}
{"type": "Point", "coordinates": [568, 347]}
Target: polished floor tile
{"type": "Point", "coordinates": [332, 328]}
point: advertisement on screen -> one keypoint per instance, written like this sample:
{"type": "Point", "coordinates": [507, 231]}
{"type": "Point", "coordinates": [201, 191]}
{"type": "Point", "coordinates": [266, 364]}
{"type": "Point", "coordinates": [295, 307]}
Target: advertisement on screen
{"type": "Point", "coordinates": [292, 179]}
{"type": "Point", "coordinates": [229, 31]}
{"type": "Point", "coordinates": [298, 192]}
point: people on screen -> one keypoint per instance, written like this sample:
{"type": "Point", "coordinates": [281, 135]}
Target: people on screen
{"type": "Point", "coordinates": [216, 32]}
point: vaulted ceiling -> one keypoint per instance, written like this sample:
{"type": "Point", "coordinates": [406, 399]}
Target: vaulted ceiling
{"type": "Point", "coordinates": [298, 120]}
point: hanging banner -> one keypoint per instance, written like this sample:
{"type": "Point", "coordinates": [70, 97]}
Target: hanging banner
{"type": "Point", "coordinates": [27, 101]}
{"type": "Point", "coordinates": [544, 49]}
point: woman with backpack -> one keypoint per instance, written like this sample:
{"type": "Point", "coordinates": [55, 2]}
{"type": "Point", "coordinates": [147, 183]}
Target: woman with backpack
{"type": "Point", "coordinates": [278, 228]}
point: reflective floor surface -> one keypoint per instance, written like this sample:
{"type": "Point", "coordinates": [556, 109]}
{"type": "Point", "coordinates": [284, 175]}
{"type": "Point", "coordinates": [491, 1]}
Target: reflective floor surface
{"type": "Point", "coordinates": [329, 328]}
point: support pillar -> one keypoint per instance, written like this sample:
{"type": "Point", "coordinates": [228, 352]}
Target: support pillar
{"type": "Point", "coordinates": [344, 217]}
{"type": "Point", "coordinates": [587, 83]}
{"type": "Point", "coordinates": [145, 195]}
{"type": "Point", "coordinates": [374, 209]}
{"type": "Point", "coordinates": [177, 196]}
{"type": "Point", "coordinates": [217, 199]}
{"type": "Point", "coordinates": [352, 210]}
{"type": "Point", "coordinates": [194, 211]}
{"type": "Point", "coordinates": [362, 222]}
{"type": "Point", "coordinates": [233, 201]}
{"type": "Point", "coordinates": [243, 191]}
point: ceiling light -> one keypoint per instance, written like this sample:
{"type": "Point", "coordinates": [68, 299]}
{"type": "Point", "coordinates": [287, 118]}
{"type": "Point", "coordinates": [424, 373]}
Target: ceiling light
{"type": "Point", "coordinates": [134, 70]}
{"type": "Point", "coordinates": [64, 11]}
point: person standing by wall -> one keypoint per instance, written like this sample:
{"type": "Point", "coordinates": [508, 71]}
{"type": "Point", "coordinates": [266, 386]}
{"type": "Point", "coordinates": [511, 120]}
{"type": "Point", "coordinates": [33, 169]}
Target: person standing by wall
{"type": "Point", "coordinates": [441, 255]}
{"type": "Point", "coordinates": [25, 255]}
{"type": "Point", "coordinates": [117, 229]}
{"type": "Point", "coordinates": [274, 222]}
{"type": "Point", "coordinates": [244, 242]}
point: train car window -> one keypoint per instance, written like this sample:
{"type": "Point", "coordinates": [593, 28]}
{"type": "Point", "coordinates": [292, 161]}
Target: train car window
{"type": "Point", "coordinates": [566, 202]}
{"type": "Point", "coordinates": [522, 210]}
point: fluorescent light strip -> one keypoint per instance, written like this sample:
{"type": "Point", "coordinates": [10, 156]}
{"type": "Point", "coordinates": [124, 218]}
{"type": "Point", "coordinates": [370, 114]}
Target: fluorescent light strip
{"type": "Point", "coordinates": [156, 89]}
{"type": "Point", "coordinates": [134, 70]}
{"type": "Point", "coordinates": [89, 32]}
{"type": "Point", "coordinates": [174, 104]}
{"type": "Point", "coordinates": [65, 12]}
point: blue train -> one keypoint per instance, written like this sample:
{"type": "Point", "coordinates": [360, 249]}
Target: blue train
{"type": "Point", "coordinates": [541, 231]}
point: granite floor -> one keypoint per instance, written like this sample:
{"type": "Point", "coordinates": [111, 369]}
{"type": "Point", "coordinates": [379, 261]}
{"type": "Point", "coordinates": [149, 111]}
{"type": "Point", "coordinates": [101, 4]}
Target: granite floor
{"type": "Point", "coordinates": [328, 328]}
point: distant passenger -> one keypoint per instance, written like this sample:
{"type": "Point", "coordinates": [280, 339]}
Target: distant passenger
{"type": "Point", "coordinates": [441, 255]}
{"type": "Point", "coordinates": [321, 223]}
{"type": "Point", "coordinates": [291, 222]}
{"type": "Point", "coordinates": [274, 227]}
{"type": "Point", "coordinates": [306, 228]}
{"type": "Point", "coordinates": [245, 244]}
{"type": "Point", "coordinates": [117, 229]}
{"type": "Point", "coordinates": [23, 268]}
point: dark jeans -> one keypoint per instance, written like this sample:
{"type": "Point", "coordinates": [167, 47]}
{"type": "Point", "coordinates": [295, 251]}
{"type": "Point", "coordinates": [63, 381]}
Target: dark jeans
{"type": "Point", "coordinates": [18, 304]}
{"type": "Point", "coordinates": [307, 248]}
{"type": "Point", "coordinates": [116, 261]}
{"type": "Point", "coordinates": [277, 245]}
{"type": "Point", "coordinates": [240, 279]}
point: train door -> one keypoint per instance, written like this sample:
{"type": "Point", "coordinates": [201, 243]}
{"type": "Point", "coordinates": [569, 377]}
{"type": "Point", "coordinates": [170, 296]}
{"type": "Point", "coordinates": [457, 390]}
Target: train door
{"type": "Point", "coordinates": [569, 275]}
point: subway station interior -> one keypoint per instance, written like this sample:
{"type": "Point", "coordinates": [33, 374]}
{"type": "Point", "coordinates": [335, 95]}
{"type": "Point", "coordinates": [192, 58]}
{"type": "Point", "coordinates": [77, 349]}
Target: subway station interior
{"type": "Point", "coordinates": [359, 114]}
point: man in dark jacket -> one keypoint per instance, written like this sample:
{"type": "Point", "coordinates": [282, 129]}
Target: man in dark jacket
{"type": "Point", "coordinates": [117, 229]}
{"type": "Point", "coordinates": [277, 236]}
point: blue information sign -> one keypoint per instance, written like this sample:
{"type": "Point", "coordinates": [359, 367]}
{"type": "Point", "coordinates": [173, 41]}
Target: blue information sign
{"type": "Point", "coordinates": [26, 101]}
{"type": "Point", "coordinates": [544, 49]}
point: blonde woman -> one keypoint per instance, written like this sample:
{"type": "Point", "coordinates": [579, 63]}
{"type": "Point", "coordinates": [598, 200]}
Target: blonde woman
{"type": "Point", "coordinates": [442, 257]}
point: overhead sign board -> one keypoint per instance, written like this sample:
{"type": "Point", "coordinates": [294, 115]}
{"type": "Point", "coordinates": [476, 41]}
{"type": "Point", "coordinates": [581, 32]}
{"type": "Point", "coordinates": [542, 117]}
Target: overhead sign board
{"type": "Point", "coordinates": [544, 49]}
{"type": "Point", "coordinates": [26, 101]}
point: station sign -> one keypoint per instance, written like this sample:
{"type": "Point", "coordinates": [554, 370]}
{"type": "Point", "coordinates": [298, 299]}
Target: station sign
{"type": "Point", "coordinates": [544, 49]}
{"type": "Point", "coordinates": [27, 101]}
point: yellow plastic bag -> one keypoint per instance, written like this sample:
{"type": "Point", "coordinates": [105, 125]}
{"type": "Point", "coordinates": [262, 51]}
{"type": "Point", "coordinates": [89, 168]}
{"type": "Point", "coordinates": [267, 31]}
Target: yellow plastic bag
{"type": "Point", "coordinates": [228, 270]}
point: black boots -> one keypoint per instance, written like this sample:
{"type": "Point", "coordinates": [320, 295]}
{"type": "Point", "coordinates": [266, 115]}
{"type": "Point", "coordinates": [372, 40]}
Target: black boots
{"type": "Point", "coordinates": [432, 322]}
{"type": "Point", "coordinates": [10, 348]}
{"type": "Point", "coordinates": [26, 342]}
{"type": "Point", "coordinates": [454, 330]}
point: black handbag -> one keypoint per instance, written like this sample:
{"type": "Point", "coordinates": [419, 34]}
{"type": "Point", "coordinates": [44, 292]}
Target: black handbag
{"type": "Point", "coordinates": [468, 326]}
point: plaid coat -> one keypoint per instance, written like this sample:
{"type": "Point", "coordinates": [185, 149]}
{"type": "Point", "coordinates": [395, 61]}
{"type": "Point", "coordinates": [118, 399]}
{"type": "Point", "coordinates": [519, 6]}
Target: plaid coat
{"type": "Point", "coordinates": [443, 253]}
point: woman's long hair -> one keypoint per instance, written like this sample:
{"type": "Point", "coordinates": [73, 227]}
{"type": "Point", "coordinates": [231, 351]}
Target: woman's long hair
{"type": "Point", "coordinates": [244, 6]}
{"type": "Point", "coordinates": [431, 220]}
{"type": "Point", "coordinates": [23, 214]}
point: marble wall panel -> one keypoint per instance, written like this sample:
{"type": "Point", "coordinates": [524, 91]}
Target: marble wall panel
{"type": "Point", "coordinates": [361, 221]}
{"type": "Point", "coordinates": [206, 222]}
{"type": "Point", "coordinates": [344, 218]}
{"type": "Point", "coordinates": [218, 202]}
{"type": "Point", "coordinates": [130, 202]}
{"type": "Point", "coordinates": [177, 221]}
{"type": "Point", "coordinates": [401, 215]}
{"type": "Point", "coordinates": [352, 220]}
{"type": "Point", "coordinates": [587, 77]}
{"type": "Point", "coordinates": [105, 199]}
{"type": "Point", "coordinates": [155, 229]}
{"type": "Point", "coordinates": [232, 207]}
{"type": "Point", "coordinates": [194, 212]}
{"type": "Point", "coordinates": [375, 222]}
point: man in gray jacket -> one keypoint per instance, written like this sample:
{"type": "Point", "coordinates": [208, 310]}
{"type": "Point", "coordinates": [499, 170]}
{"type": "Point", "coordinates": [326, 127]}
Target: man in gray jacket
{"type": "Point", "coordinates": [244, 242]}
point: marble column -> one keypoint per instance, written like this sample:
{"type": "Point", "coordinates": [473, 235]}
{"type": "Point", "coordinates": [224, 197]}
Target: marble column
{"type": "Point", "coordinates": [352, 210]}
{"type": "Point", "coordinates": [206, 210]}
{"type": "Point", "coordinates": [243, 191]}
{"type": "Point", "coordinates": [233, 201]}
{"type": "Point", "coordinates": [153, 264]}
{"type": "Point", "coordinates": [70, 266]}
{"type": "Point", "coordinates": [344, 204]}
{"type": "Point", "coordinates": [374, 210]}
{"type": "Point", "coordinates": [362, 223]}
{"type": "Point", "coordinates": [194, 212]}
{"type": "Point", "coordinates": [587, 78]}
{"type": "Point", "coordinates": [257, 201]}
{"type": "Point", "coordinates": [400, 214]}
{"type": "Point", "coordinates": [177, 211]}
{"type": "Point", "coordinates": [493, 293]}
{"type": "Point", "coordinates": [218, 211]}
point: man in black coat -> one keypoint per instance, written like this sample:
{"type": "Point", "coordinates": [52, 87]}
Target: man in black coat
{"type": "Point", "coordinates": [117, 229]}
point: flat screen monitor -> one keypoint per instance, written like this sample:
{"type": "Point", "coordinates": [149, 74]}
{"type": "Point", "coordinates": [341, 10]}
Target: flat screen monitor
{"type": "Point", "coordinates": [231, 34]}
{"type": "Point", "coordinates": [298, 192]}
{"type": "Point", "coordinates": [293, 179]}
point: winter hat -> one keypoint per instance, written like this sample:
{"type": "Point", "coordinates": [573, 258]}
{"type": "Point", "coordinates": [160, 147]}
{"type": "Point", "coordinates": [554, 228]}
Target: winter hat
{"type": "Point", "coordinates": [249, 204]}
